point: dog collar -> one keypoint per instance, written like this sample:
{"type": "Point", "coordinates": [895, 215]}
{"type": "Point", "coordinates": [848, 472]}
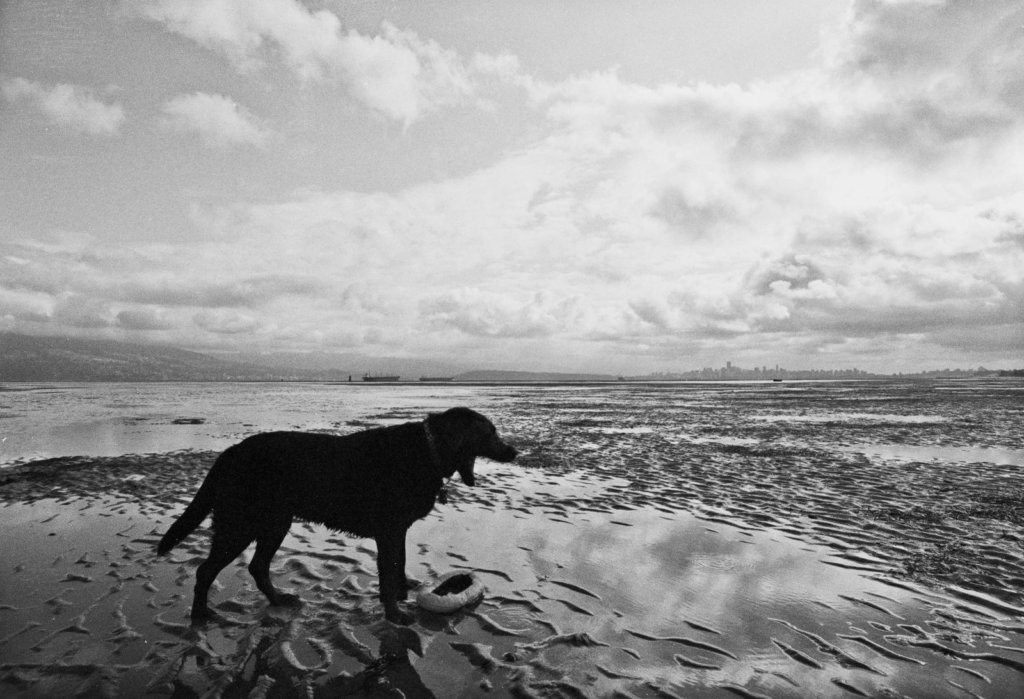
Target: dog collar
{"type": "Point", "coordinates": [435, 456]}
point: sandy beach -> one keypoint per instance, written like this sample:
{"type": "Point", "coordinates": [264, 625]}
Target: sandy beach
{"type": "Point", "coordinates": [646, 544]}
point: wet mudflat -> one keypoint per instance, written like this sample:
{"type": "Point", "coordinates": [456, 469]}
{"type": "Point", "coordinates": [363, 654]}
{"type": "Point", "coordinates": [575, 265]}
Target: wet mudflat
{"type": "Point", "coordinates": [652, 541]}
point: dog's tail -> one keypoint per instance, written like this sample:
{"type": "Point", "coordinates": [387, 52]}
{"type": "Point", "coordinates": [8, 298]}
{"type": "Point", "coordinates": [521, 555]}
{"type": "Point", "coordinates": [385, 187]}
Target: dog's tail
{"type": "Point", "coordinates": [196, 511]}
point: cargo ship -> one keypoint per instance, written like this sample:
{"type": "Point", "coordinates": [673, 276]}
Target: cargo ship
{"type": "Point", "coordinates": [379, 377]}
{"type": "Point", "coordinates": [437, 378]}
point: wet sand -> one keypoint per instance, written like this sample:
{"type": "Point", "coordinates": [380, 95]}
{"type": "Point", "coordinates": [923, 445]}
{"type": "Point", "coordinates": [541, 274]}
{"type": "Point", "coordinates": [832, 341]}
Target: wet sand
{"type": "Point", "coordinates": [647, 544]}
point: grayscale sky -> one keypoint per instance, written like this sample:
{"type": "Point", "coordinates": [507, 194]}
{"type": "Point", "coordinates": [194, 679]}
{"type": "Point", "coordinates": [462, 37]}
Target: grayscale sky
{"type": "Point", "coordinates": [620, 186]}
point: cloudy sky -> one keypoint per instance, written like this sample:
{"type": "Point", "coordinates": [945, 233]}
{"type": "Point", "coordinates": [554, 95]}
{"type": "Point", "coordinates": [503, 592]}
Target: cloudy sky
{"type": "Point", "coordinates": [622, 186]}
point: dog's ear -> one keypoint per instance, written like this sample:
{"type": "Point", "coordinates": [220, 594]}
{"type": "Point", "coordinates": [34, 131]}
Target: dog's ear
{"type": "Point", "coordinates": [459, 435]}
{"type": "Point", "coordinates": [465, 470]}
{"type": "Point", "coordinates": [470, 443]}
{"type": "Point", "coordinates": [459, 428]}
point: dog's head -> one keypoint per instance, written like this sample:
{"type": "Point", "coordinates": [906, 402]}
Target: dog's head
{"type": "Point", "coordinates": [463, 435]}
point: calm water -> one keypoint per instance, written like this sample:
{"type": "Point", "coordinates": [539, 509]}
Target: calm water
{"type": "Point", "coordinates": [110, 419]}
{"type": "Point", "coordinates": [951, 421]}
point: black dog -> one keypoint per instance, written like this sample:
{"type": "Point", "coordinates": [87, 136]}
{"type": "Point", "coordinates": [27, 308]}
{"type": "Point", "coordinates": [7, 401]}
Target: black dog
{"type": "Point", "coordinates": [374, 483]}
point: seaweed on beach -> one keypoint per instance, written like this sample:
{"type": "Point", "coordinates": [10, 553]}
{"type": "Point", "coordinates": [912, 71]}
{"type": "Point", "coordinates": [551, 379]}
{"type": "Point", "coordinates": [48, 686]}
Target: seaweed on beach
{"type": "Point", "coordinates": [946, 560]}
{"type": "Point", "coordinates": [1004, 506]}
{"type": "Point", "coordinates": [767, 450]}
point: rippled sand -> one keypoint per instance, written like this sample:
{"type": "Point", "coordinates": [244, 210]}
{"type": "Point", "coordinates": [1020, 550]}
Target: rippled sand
{"type": "Point", "coordinates": [765, 541]}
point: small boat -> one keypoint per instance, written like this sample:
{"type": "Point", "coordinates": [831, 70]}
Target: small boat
{"type": "Point", "coordinates": [379, 377]}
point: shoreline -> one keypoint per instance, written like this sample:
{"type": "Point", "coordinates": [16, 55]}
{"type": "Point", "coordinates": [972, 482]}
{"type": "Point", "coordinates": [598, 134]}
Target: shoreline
{"type": "Point", "coordinates": [634, 577]}
{"type": "Point", "coordinates": [649, 542]}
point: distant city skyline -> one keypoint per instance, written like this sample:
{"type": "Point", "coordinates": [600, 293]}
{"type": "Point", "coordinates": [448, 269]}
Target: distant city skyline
{"type": "Point", "coordinates": [587, 185]}
{"type": "Point", "coordinates": [764, 372]}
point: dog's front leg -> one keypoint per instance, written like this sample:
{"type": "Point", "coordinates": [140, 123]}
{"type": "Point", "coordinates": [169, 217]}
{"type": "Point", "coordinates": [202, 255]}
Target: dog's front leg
{"type": "Point", "coordinates": [390, 570]}
{"type": "Point", "coordinates": [402, 583]}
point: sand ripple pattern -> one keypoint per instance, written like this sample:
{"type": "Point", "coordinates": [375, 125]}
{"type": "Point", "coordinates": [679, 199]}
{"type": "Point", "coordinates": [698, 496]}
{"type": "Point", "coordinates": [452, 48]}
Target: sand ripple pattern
{"type": "Point", "coordinates": [933, 551]}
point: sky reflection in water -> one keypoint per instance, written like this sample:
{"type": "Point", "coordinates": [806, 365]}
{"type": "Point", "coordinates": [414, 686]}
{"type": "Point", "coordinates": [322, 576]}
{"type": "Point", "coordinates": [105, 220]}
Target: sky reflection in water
{"type": "Point", "coordinates": [751, 594]}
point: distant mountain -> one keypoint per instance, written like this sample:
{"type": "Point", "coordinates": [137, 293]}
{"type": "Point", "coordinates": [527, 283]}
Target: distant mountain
{"type": "Point", "coordinates": [499, 375]}
{"type": "Point", "coordinates": [27, 358]}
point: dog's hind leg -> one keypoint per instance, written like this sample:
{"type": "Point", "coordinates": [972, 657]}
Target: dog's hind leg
{"type": "Point", "coordinates": [267, 543]}
{"type": "Point", "coordinates": [226, 546]}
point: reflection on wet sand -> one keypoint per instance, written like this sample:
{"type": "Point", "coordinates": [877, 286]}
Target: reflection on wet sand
{"type": "Point", "coordinates": [622, 558]}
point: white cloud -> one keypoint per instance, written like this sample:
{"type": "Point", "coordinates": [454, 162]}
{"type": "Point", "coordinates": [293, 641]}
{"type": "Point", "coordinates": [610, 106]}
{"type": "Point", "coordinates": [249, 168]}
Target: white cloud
{"type": "Point", "coordinates": [246, 30]}
{"type": "Point", "coordinates": [22, 305]}
{"type": "Point", "coordinates": [72, 106]}
{"type": "Point", "coordinates": [491, 314]}
{"type": "Point", "coordinates": [218, 120]}
{"type": "Point", "coordinates": [144, 318]}
{"type": "Point", "coordinates": [395, 72]}
{"type": "Point", "coordinates": [877, 172]}
{"type": "Point", "coordinates": [81, 311]}
{"type": "Point", "coordinates": [226, 322]}
{"type": "Point", "coordinates": [868, 206]}
{"type": "Point", "coordinates": [400, 74]}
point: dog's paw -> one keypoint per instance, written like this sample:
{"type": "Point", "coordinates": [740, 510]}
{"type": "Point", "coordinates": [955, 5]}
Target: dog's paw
{"type": "Point", "coordinates": [201, 616]}
{"type": "Point", "coordinates": [397, 616]}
